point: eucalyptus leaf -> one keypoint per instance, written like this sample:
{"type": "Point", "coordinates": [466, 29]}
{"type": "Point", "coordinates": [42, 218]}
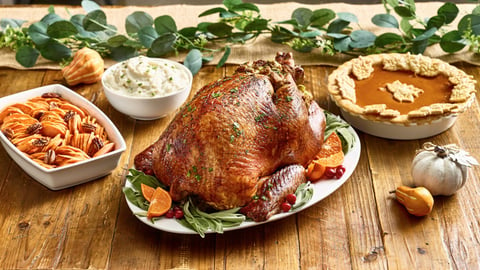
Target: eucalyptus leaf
{"type": "Point", "coordinates": [117, 41]}
{"type": "Point", "coordinates": [220, 29]}
{"type": "Point", "coordinates": [163, 44]}
{"type": "Point", "coordinates": [321, 17]}
{"type": "Point", "coordinates": [188, 32]}
{"type": "Point", "coordinates": [449, 11]}
{"type": "Point", "coordinates": [302, 16]}
{"type": "Point", "coordinates": [55, 51]}
{"type": "Point", "coordinates": [244, 7]}
{"type": "Point", "coordinates": [147, 35]}
{"type": "Point", "coordinates": [337, 35]}
{"type": "Point", "coordinates": [470, 22]}
{"type": "Point", "coordinates": [61, 29]}
{"type": "Point", "coordinates": [406, 27]}
{"type": "Point", "coordinates": [387, 39]}
{"type": "Point", "coordinates": [476, 10]}
{"type": "Point", "coordinates": [165, 24]}
{"type": "Point", "coordinates": [281, 35]}
{"type": "Point", "coordinates": [89, 6]}
{"type": "Point", "coordinates": [193, 61]}
{"type": "Point", "coordinates": [342, 44]}
{"type": "Point", "coordinates": [362, 39]}
{"type": "Point", "coordinates": [136, 21]}
{"type": "Point", "coordinates": [419, 46]}
{"type": "Point", "coordinates": [404, 11]}
{"type": "Point", "coordinates": [212, 11]}
{"type": "Point", "coordinates": [310, 34]}
{"type": "Point", "coordinates": [436, 21]}
{"type": "Point", "coordinates": [122, 53]}
{"type": "Point", "coordinates": [257, 25]}
{"type": "Point", "coordinates": [337, 26]}
{"type": "Point", "coordinates": [426, 35]}
{"type": "Point", "coordinates": [51, 18]}
{"type": "Point", "coordinates": [27, 56]}
{"type": "Point", "coordinates": [95, 20]}
{"type": "Point", "coordinates": [347, 16]}
{"type": "Point", "coordinates": [77, 21]}
{"type": "Point", "coordinates": [385, 20]}
{"type": "Point", "coordinates": [14, 23]}
{"type": "Point", "coordinates": [225, 56]}
{"type": "Point", "coordinates": [38, 33]}
{"type": "Point", "coordinates": [452, 42]}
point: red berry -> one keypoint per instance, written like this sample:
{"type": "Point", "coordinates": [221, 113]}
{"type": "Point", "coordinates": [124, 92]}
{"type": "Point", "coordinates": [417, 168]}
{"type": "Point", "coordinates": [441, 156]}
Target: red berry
{"type": "Point", "coordinates": [330, 172]}
{"type": "Point", "coordinates": [179, 214]}
{"type": "Point", "coordinates": [291, 198]}
{"type": "Point", "coordinates": [170, 213]}
{"type": "Point", "coordinates": [339, 172]}
{"type": "Point", "coordinates": [286, 206]}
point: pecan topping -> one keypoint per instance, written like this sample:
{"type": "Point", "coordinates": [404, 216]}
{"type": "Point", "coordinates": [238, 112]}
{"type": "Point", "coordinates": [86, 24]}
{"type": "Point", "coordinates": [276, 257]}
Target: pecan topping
{"type": "Point", "coordinates": [34, 128]}
{"type": "Point", "coordinates": [89, 127]}
{"type": "Point", "coordinates": [40, 142]}
{"type": "Point", "coordinates": [96, 145]}
{"type": "Point", "coordinates": [38, 115]}
{"type": "Point", "coordinates": [51, 95]}
{"type": "Point", "coordinates": [53, 105]}
{"type": "Point", "coordinates": [8, 133]}
{"type": "Point", "coordinates": [68, 116]}
{"type": "Point", "coordinates": [49, 157]}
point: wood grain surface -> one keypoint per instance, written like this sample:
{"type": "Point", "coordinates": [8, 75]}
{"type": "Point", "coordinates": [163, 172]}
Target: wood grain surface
{"type": "Point", "coordinates": [359, 226]}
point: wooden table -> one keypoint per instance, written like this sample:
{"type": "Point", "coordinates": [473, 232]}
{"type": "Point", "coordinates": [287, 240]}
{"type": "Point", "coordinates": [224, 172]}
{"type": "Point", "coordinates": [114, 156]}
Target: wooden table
{"type": "Point", "coordinates": [359, 226]}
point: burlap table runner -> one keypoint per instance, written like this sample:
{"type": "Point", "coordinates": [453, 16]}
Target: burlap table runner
{"type": "Point", "coordinates": [261, 48]}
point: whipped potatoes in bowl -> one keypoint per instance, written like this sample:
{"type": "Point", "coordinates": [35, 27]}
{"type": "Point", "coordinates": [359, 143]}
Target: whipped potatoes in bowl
{"type": "Point", "coordinates": [147, 88]}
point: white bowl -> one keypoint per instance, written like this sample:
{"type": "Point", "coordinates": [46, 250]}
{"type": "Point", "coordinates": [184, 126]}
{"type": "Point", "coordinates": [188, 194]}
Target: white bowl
{"type": "Point", "coordinates": [147, 108]}
{"type": "Point", "coordinates": [77, 173]}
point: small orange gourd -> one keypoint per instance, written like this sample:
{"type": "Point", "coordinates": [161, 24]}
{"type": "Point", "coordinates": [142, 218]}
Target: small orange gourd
{"type": "Point", "coordinates": [86, 67]}
{"type": "Point", "coordinates": [418, 201]}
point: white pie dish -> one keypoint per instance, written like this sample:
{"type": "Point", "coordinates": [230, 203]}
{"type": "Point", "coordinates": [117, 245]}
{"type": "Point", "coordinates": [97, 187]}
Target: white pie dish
{"type": "Point", "coordinates": [73, 174]}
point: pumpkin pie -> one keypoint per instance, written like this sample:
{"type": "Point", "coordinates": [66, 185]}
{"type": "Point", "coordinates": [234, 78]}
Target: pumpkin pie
{"type": "Point", "coordinates": [401, 88]}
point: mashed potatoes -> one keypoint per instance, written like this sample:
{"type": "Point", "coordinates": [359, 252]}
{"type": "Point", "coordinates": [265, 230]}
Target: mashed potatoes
{"type": "Point", "coordinates": [146, 77]}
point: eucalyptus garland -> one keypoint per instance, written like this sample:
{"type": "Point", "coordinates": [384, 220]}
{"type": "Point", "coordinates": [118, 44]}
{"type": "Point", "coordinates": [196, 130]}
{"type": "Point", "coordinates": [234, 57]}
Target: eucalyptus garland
{"type": "Point", "coordinates": [325, 30]}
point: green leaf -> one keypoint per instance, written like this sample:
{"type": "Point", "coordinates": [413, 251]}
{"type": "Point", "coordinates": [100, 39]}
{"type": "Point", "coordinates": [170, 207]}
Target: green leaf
{"type": "Point", "coordinates": [452, 42]}
{"type": "Point", "coordinates": [244, 7]}
{"type": "Point", "coordinates": [470, 22]}
{"type": "Point", "coordinates": [476, 10]}
{"type": "Point", "coordinates": [220, 29]}
{"type": "Point", "coordinates": [77, 21]}
{"type": "Point", "coordinates": [61, 29]}
{"type": "Point", "coordinates": [385, 20]}
{"type": "Point", "coordinates": [419, 46]}
{"type": "Point", "coordinates": [188, 32]}
{"type": "Point", "coordinates": [337, 26]}
{"type": "Point", "coordinates": [165, 24]}
{"type": "Point", "coordinates": [436, 21]}
{"type": "Point", "coordinates": [95, 21]}
{"type": "Point", "coordinates": [321, 17]}
{"type": "Point", "coordinates": [281, 34]}
{"type": "Point", "coordinates": [342, 45]}
{"type": "Point", "coordinates": [212, 11]}
{"type": "Point", "coordinates": [55, 51]}
{"type": "Point", "coordinates": [406, 26]}
{"type": "Point", "coordinates": [89, 6]}
{"type": "Point", "coordinates": [230, 4]}
{"type": "Point", "coordinates": [388, 39]}
{"type": "Point", "coordinates": [257, 25]}
{"type": "Point", "coordinates": [310, 34]}
{"type": "Point", "coordinates": [362, 39]}
{"type": "Point", "coordinates": [302, 16]}
{"type": "Point", "coordinates": [225, 56]}
{"type": "Point", "coordinates": [426, 35]}
{"type": "Point", "coordinates": [38, 33]}
{"type": "Point", "coordinates": [147, 35]}
{"type": "Point", "coordinates": [163, 44]}
{"type": "Point", "coordinates": [51, 18]}
{"type": "Point", "coordinates": [122, 53]}
{"type": "Point", "coordinates": [404, 12]}
{"type": "Point", "coordinates": [193, 61]}
{"type": "Point", "coordinates": [337, 35]}
{"type": "Point", "coordinates": [449, 11]}
{"type": "Point", "coordinates": [14, 23]}
{"type": "Point", "coordinates": [117, 41]}
{"type": "Point", "coordinates": [27, 56]}
{"type": "Point", "coordinates": [347, 16]}
{"type": "Point", "coordinates": [136, 21]}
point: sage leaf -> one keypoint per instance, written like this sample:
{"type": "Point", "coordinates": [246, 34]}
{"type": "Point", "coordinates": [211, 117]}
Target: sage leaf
{"type": "Point", "coordinates": [61, 29]}
{"type": "Point", "coordinates": [193, 61]}
{"type": "Point", "coordinates": [27, 56]}
{"type": "Point", "coordinates": [452, 42]}
{"type": "Point", "coordinates": [449, 11]}
{"type": "Point", "coordinates": [165, 24]}
{"type": "Point", "coordinates": [385, 20]}
{"type": "Point", "coordinates": [136, 21]}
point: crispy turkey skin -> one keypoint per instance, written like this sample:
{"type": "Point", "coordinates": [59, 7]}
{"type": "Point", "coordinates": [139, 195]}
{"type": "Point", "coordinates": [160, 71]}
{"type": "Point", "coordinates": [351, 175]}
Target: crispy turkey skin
{"type": "Point", "coordinates": [235, 132]}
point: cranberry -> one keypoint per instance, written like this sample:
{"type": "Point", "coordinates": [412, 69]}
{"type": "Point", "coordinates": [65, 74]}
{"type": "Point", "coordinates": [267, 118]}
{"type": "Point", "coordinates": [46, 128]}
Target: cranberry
{"type": "Point", "coordinates": [286, 206]}
{"type": "Point", "coordinates": [178, 214]}
{"type": "Point", "coordinates": [339, 172]}
{"type": "Point", "coordinates": [291, 198]}
{"type": "Point", "coordinates": [170, 213]}
{"type": "Point", "coordinates": [330, 172]}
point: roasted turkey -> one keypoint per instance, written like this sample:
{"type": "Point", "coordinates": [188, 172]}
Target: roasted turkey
{"type": "Point", "coordinates": [242, 141]}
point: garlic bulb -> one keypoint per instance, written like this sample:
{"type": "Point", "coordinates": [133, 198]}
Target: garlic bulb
{"type": "Point", "coordinates": [441, 169]}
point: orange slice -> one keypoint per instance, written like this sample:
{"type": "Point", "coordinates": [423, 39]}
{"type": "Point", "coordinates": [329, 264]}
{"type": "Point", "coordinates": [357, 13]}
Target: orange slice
{"type": "Point", "coordinates": [331, 155]}
{"type": "Point", "coordinates": [160, 203]}
{"type": "Point", "coordinates": [147, 192]}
